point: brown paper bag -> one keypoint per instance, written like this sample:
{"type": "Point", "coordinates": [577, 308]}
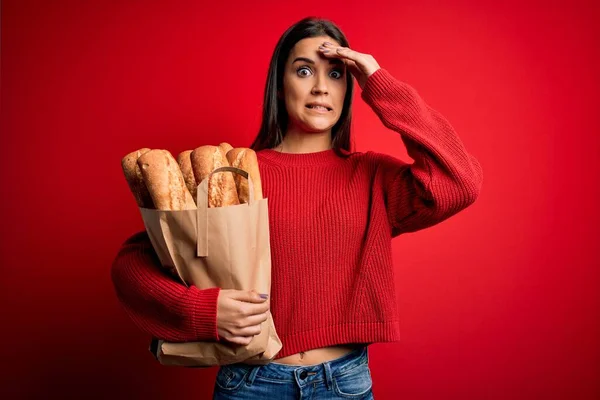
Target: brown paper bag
{"type": "Point", "coordinates": [226, 247]}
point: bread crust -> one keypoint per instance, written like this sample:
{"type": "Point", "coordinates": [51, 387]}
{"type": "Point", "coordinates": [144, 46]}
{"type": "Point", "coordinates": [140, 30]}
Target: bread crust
{"type": "Point", "coordinates": [222, 191]}
{"type": "Point", "coordinates": [225, 147]}
{"type": "Point", "coordinates": [134, 178]}
{"type": "Point", "coordinates": [164, 181]}
{"type": "Point", "coordinates": [245, 159]}
{"type": "Point", "coordinates": [184, 160]}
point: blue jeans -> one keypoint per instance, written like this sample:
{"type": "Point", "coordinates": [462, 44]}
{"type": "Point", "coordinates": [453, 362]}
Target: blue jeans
{"type": "Point", "coordinates": [346, 377]}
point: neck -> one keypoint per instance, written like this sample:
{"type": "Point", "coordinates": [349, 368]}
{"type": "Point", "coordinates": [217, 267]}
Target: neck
{"type": "Point", "coordinates": [305, 142]}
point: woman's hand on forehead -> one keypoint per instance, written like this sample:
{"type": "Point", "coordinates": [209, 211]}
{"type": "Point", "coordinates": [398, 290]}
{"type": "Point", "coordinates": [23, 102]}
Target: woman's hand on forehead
{"type": "Point", "coordinates": [361, 65]}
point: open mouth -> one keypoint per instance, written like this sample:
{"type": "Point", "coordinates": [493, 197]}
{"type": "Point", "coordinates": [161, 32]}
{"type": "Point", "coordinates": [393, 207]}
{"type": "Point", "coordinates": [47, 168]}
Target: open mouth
{"type": "Point", "coordinates": [319, 108]}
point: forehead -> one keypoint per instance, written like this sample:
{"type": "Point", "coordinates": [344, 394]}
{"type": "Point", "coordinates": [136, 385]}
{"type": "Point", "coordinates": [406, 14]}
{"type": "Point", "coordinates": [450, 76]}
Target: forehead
{"type": "Point", "coordinates": [311, 45]}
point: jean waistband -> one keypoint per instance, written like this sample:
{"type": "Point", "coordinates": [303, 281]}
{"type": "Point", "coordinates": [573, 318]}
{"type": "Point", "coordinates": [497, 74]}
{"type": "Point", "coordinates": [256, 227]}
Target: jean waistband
{"type": "Point", "coordinates": [284, 372]}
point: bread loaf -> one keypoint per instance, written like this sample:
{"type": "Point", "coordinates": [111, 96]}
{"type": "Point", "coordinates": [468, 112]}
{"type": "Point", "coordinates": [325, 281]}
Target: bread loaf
{"type": "Point", "coordinates": [135, 180]}
{"type": "Point", "coordinates": [164, 181]}
{"type": "Point", "coordinates": [225, 147]}
{"type": "Point", "coordinates": [222, 191]}
{"type": "Point", "coordinates": [184, 160]}
{"type": "Point", "coordinates": [245, 159]}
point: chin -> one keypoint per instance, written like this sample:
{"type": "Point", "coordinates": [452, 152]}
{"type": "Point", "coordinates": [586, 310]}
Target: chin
{"type": "Point", "coordinates": [314, 125]}
{"type": "Point", "coordinates": [316, 129]}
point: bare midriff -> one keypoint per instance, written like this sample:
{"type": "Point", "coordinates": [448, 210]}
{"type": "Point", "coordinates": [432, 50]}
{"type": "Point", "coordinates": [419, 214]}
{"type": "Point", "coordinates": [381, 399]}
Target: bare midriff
{"type": "Point", "coordinates": [318, 356]}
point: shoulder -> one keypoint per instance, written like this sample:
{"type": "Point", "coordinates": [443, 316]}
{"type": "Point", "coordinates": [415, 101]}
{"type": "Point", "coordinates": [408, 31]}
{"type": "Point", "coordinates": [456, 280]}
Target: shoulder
{"type": "Point", "coordinates": [382, 160]}
{"type": "Point", "coordinates": [377, 166]}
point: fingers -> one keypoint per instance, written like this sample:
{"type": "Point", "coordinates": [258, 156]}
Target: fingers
{"type": "Point", "coordinates": [240, 315]}
{"type": "Point", "coordinates": [249, 326]}
{"type": "Point", "coordinates": [249, 296]}
{"type": "Point", "coordinates": [248, 310]}
{"type": "Point", "coordinates": [243, 305]}
{"type": "Point", "coordinates": [342, 52]}
{"type": "Point", "coordinates": [359, 64]}
{"type": "Point", "coordinates": [242, 327]}
{"type": "Point", "coordinates": [351, 58]}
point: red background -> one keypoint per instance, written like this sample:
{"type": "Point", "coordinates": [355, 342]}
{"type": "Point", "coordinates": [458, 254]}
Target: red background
{"type": "Point", "coordinates": [499, 302]}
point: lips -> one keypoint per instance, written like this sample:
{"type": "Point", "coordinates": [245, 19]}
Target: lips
{"type": "Point", "coordinates": [319, 106]}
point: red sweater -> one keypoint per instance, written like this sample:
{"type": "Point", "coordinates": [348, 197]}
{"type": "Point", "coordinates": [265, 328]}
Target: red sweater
{"type": "Point", "coordinates": [331, 222]}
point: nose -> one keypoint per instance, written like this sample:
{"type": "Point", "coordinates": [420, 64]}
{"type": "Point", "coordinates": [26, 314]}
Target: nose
{"type": "Point", "coordinates": [320, 86]}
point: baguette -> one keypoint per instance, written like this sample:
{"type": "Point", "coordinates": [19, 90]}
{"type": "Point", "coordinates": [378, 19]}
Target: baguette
{"type": "Point", "coordinates": [222, 191]}
{"type": "Point", "coordinates": [135, 180]}
{"type": "Point", "coordinates": [185, 164]}
{"type": "Point", "coordinates": [225, 147]}
{"type": "Point", "coordinates": [245, 159]}
{"type": "Point", "coordinates": [164, 181]}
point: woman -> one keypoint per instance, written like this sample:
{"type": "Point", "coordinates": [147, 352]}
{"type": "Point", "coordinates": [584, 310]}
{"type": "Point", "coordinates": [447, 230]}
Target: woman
{"type": "Point", "coordinates": [332, 215]}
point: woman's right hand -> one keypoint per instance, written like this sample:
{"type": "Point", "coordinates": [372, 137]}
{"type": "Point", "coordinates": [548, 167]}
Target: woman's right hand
{"type": "Point", "coordinates": [239, 315]}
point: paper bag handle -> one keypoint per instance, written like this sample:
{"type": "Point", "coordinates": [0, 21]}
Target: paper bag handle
{"type": "Point", "coordinates": [202, 201]}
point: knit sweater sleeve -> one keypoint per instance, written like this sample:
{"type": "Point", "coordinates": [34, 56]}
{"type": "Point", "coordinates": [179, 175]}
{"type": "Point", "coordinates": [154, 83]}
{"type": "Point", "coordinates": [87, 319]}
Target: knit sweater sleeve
{"type": "Point", "coordinates": [443, 179]}
{"type": "Point", "coordinates": [157, 304]}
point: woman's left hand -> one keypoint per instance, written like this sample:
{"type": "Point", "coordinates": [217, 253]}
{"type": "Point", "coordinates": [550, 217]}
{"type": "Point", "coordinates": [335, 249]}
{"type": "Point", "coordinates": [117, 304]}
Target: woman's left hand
{"type": "Point", "coordinates": [360, 65]}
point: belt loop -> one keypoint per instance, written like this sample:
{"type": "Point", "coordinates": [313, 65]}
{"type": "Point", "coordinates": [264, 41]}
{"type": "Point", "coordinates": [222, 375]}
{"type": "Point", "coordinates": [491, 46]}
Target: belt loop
{"type": "Point", "coordinates": [328, 375]}
{"type": "Point", "coordinates": [252, 375]}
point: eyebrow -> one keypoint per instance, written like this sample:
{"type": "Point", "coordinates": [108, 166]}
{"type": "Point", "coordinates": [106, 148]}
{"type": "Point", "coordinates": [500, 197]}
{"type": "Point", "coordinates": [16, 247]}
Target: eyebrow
{"type": "Point", "coordinates": [308, 60]}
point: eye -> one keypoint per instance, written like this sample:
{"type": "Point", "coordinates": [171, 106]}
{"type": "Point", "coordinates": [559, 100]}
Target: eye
{"type": "Point", "coordinates": [298, 71]}
{"type": "Point", "coordinates": [339, 73]}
